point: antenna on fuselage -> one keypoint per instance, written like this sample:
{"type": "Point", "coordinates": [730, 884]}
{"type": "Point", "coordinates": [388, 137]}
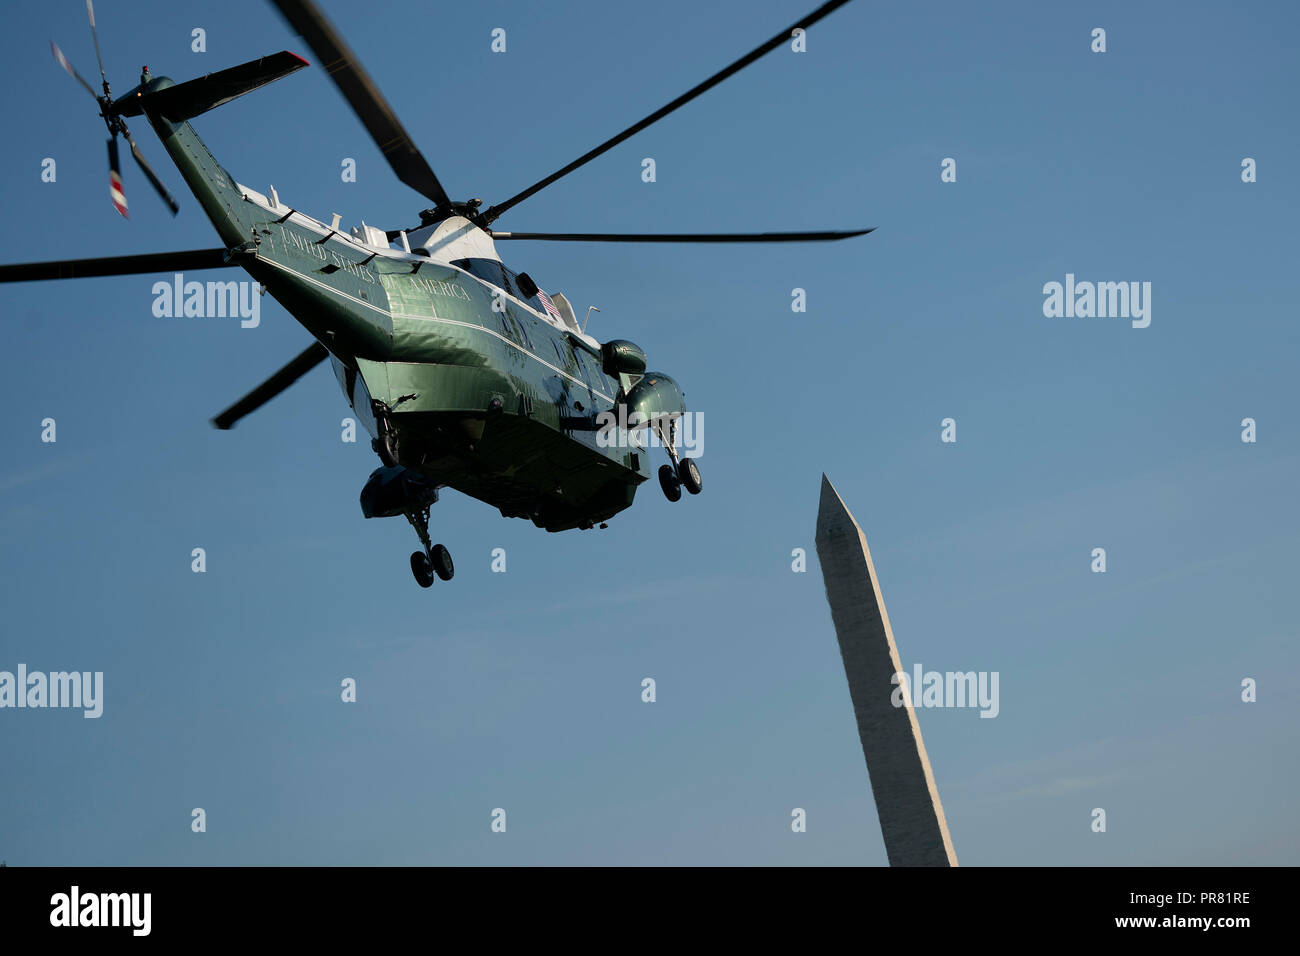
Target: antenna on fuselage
{"type": "Point", "coordinates": [587, 317]}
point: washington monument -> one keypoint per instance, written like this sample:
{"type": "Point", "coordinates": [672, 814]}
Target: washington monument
{"type": "Point", "coordinates": [907, 801]}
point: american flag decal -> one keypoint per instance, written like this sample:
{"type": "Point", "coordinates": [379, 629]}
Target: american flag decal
{"type": "Point", "coordinates": [550, 306]}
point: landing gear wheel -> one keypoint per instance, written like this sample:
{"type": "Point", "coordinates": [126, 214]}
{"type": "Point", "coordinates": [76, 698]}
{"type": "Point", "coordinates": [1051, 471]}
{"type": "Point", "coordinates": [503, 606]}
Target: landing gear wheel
{"type": "Point", "coordinates": [689, 474]}
{"type": "Point", "coordinates": [422, 568]}
{"type": "Point", "coordinates": [440, 561]}
{"type": "Point", "coordinates": [434, 559]}
{"type": "Point", "coordinates": [670, 483]}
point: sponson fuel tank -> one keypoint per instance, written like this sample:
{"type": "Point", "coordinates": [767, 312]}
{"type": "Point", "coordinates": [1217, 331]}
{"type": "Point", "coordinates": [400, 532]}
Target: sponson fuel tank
{"type": "Point", "coordinates": [656, 396]}
{"type": "Point", "coordinates": [393, 491]}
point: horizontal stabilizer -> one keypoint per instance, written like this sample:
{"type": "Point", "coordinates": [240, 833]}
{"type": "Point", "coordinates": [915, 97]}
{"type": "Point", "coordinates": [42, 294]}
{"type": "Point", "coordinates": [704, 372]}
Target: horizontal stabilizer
{"type": "Point", "coordinates": [189, 99]}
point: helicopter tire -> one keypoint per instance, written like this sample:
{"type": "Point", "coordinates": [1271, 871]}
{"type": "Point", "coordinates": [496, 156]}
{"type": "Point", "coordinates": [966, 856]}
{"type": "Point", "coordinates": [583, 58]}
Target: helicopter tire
{"type": "Point", "coordinates": [422, 568]}
{"type": "Point", "coordinates": [441, 562]}
{"type": "Point", "coordinates": [689, 474]}
{"type": "Point", "coordinates": [670, 483]}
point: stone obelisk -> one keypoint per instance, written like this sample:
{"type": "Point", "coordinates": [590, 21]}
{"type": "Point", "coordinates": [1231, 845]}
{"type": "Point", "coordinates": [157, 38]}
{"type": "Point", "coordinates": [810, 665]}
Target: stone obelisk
{"type": "Point", "coordinates": [907, 801]}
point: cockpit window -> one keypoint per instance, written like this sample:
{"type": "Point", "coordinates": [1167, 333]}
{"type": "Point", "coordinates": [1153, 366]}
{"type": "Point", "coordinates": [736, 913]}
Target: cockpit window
{"type": "Point", "coordinates": [489, 270]}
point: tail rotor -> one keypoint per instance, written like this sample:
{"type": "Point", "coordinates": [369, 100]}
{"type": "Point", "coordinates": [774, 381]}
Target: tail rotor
{"type": "Point", "coordinates": [116, 126]}
{"type": "Point", "coordinates": [115, 180]}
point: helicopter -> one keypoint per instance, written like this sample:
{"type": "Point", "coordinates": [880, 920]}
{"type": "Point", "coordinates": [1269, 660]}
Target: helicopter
{"type": "Point", "coordinates": [465, 373]}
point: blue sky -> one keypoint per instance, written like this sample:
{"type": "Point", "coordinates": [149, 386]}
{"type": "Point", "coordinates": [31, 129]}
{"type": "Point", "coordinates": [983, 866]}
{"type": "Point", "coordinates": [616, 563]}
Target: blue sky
{"type": "Point", "coordinates": [522, 690]}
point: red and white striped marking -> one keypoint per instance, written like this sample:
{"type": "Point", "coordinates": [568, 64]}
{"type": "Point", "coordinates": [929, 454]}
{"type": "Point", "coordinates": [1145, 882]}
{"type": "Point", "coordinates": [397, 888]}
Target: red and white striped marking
{"type": "Point", "coordinates": [115, 191]}
{"type": "Point", "coordinates": [61, 59]}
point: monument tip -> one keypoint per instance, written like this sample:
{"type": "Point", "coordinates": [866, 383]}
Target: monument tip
{"type": "Point", "coordinates": [833, 515]}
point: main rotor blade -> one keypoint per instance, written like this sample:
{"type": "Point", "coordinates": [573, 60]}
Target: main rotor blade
{"type": "Point", "coordinates": [303, 363]}
{"type": "Point", "coordinates": [825, 236]}
{"type": "Point", "coordinates": [826, 8]}
{"type": "Point", "coordinates": [62, 60]}
{"type": "Point", "coordinates": [185, 261]}
{"type": "Point", "coordinates": [149, 174]}
{"type": "Point", "coordinates": [364, 97]}
{"type": "Point", "coordinates": [94, 35]}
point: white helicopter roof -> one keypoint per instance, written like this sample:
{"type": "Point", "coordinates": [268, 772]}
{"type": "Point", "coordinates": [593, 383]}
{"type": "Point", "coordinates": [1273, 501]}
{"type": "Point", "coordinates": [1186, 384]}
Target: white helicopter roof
{"type": "Point", "coordinates": [453, 238]}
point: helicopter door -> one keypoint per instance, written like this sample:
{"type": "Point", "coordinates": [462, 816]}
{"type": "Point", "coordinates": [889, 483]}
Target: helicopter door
{"type": "Point", "coordinates": [358, 395]}
{"type": "Point", "coordinates": [590, 375]}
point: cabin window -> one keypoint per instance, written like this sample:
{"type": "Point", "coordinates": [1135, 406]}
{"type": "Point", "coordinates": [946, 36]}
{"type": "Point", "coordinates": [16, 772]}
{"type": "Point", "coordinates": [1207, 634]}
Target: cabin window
{"type": "Point", "coordinates": [514, 329]}
{"type": "Point", "coordinates": [489, 270]}
{"type": "Point", "coordinates": [592, 373]}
